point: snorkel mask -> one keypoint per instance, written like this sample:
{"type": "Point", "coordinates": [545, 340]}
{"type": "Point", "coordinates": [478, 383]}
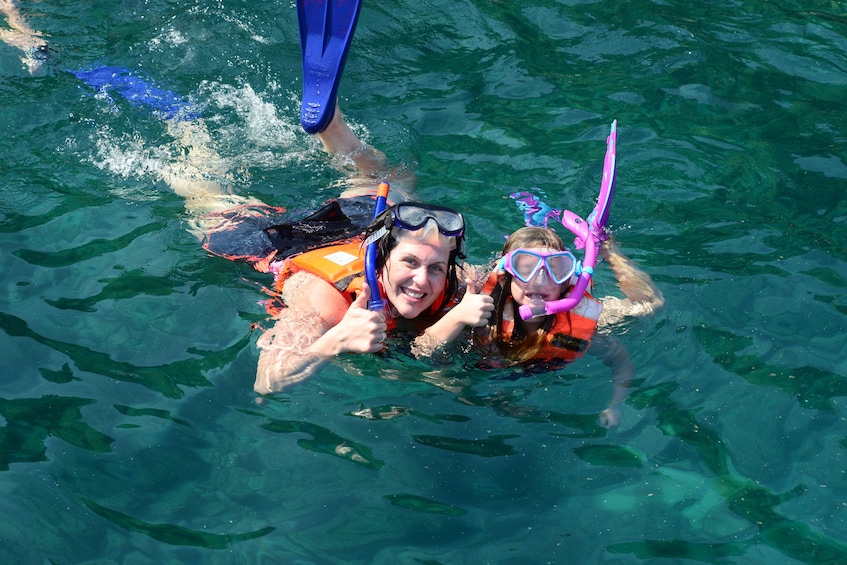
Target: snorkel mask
{"type": "Point", "coordinates": [588, 234]}
{"type": "Point", "coordinates": [524, 265]}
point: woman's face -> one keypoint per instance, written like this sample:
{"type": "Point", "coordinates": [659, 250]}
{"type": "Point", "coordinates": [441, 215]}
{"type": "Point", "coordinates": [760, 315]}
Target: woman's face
{"type": "Point", "coordinates": [541, 287]}
{"type": "Point", "coordinates": [415, 274]}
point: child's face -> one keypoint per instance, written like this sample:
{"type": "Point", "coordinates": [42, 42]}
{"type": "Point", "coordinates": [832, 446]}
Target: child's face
{"type": "Point", "coordinates": [541, 287]}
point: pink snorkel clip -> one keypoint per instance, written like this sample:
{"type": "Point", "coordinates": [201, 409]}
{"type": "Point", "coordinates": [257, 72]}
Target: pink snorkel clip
{"type": "Point", "coordinates": [588, 234]}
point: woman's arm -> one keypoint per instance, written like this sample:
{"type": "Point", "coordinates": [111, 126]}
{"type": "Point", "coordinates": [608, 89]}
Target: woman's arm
{"type": "Point", "coordinates": [316, 326]}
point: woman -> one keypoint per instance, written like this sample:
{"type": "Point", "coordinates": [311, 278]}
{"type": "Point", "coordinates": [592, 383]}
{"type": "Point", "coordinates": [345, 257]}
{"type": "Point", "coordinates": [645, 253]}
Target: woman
{"type": "Point", "coordinates": [419, 249]}
{"type": "Point", "coordinates": [419, 246]}
{"type": "Point", "coordinates": [318, 264]}
{"type": "Point", "coordinates": [536, 266]}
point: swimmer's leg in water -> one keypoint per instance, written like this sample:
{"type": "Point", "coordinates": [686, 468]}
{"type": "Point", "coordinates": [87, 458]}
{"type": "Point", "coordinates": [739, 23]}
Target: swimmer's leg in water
{"type": "Point", "coordinates": [365, 165]}
{"type": "Point", "coordinates": [197, 172]}
{"type": "Point", "coordinates": [36, 54]}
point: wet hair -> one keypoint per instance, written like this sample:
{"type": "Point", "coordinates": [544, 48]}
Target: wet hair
{"type": "Point", "coordinates": [391, 237]}
{"type": "Point", "coordinates": [521, 346]}
{"type": "Point", "coordinates": [534, 237]}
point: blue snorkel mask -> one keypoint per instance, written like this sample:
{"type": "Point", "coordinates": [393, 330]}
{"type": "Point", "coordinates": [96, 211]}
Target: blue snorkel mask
{"type": "Point", "coordinates": [588, 234]}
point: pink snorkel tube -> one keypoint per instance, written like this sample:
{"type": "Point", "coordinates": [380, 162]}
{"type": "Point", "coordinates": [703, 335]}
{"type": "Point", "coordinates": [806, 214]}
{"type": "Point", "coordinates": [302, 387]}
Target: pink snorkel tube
{"type": "Point", "coordinates": [588, 234]}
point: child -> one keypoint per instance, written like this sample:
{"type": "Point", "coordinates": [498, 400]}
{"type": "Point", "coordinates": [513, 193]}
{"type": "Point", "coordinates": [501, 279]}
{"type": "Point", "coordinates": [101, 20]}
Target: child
{"type": "Point", "coordinates": [536, 266]}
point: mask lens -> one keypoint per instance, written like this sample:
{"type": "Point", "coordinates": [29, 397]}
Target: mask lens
{"type": "Point", "coordinates": [560, 266]}
{"type": "Point", "coordinates": [525, 265]}
{"type": "Point", "coordinates": [448, 222]}
{"type": "Point", "coordinates": [413, 217]}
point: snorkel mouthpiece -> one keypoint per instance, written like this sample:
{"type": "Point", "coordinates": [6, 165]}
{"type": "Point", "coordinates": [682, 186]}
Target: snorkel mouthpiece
{"type": "Point", "coordinates": [588, 234]}
{"type": "Point", "coordinates": [535, 308]}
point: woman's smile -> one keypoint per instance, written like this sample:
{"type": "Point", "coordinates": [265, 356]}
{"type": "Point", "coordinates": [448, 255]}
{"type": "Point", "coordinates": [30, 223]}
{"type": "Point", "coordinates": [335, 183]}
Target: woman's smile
{"type": "Point", "coordinates": [414, 276]}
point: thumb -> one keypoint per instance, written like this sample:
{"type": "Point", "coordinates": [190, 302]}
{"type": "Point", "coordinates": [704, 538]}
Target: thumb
{"type": "Point", "coordinates": [471, 287]}
{"type": "Point", "coordinates": [362, 300]}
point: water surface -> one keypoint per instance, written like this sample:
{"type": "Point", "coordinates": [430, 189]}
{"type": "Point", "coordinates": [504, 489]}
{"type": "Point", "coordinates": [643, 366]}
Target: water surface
{"type": "Point", "coordinates": [128, 427]}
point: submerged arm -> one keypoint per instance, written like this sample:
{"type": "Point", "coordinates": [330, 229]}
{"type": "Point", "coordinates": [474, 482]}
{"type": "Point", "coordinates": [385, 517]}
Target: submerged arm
{"type": "Point", "coordinates": [615, 356]}
{"type": "Point", "coordinates": [284, 359]}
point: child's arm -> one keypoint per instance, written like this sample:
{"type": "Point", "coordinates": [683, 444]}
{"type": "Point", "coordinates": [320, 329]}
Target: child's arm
{"type": "Point", "coordinates": [474, 310]}
{"type": "Point", "coordinates": [615, 356]}
{"type": "Point", "coordinates": [643, 297]}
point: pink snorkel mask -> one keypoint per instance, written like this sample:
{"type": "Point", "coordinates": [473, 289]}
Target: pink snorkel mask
{"type": "Point", "coordinates": [588, 234]}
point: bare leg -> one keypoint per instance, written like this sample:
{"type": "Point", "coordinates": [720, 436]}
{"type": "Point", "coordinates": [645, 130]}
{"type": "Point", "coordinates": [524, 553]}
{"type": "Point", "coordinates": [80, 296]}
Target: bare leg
{"type": "Point", "coordinates": [370, 166]}
{"type": "Point", "coordinates": [201, 176]}
{"type": "Point", "coordinates": [339, 139]}
{"type": "Point", "coordinates": [22, 36]}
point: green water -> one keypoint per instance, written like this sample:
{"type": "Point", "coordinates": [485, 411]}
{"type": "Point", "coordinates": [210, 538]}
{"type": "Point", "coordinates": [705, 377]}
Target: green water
{"type": "Point", "coordinates": [128, 427]}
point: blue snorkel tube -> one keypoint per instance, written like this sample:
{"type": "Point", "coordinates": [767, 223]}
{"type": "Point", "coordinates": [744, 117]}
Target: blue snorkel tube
{"type": "Point", "coordinates": [588, 234]}
{"type": "Point", "coordinates": [376, 302]}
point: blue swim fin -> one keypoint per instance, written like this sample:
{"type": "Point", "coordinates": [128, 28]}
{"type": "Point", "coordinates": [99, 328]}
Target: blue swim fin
{"type": "Point", "coordinates": [326, 30]}
{"type": "Point", "coordinates": [138, 91]}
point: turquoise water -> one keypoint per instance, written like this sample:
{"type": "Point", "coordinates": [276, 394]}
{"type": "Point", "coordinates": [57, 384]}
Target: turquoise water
{"type": "Point", "coordinates": [130, 433]}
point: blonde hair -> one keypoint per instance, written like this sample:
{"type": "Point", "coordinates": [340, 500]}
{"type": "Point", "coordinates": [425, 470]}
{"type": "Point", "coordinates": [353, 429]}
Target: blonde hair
{"type": "Point", "coordinates": [534, 237]}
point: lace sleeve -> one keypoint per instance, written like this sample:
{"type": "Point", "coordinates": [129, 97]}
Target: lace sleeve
{"type": "Point", "coordinates": [284, 359]}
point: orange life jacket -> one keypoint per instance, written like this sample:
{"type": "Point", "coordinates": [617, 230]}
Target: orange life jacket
{"type": "Point", "coordinates": [339, 264]}
{"type": "Point", "coordinates": [343, 266]}
{"type": "Point", "coordinates": [571, 332]}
